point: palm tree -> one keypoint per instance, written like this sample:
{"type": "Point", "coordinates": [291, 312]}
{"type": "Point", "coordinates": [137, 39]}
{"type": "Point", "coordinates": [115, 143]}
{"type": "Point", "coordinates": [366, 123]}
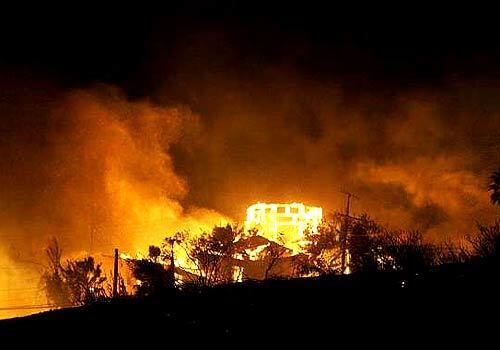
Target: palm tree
{"type": "Point", "coordinates": [494, 187]}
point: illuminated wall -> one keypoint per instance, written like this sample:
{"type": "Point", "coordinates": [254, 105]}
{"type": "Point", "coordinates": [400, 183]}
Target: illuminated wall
{"type": "Point", "coordinates": [283, 223]}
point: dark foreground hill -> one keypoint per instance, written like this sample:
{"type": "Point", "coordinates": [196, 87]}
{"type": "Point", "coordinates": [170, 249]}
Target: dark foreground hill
{"type": "Point", "coordinates": [452, 304]}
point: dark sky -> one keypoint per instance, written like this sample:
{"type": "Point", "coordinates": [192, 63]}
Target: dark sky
{"type": "Point", "coordinates": [365, 47]}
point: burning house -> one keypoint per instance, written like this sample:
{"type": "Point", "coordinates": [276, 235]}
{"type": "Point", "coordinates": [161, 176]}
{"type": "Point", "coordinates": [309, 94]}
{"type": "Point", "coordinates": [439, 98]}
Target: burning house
{"type": "Point", "coordinates": [283, 223]}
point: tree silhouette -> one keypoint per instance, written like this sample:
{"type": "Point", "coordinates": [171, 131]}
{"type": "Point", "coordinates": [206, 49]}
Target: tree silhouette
{"type": "Point", "coordinates": [76, 282]}
{"type": "Point", "coordinates": [56, 289]}
{"type": "Point", "coordinates": [360, 243]}
{"type": "Point", "coordinates": [494, 187]}
{"type": "Point", "coordinates": [322, 250]}
{"type": "Point", "coordinates": [404, 251]}
{"type": "Point", "coordinates": [486, 244]}
{"type": "Point", "coordinates": [449, 252]}
{"type": "Point", "coordinates": [85, 280]}
{"type": "Point", "coordinates": [271, 257]}
{"type": "Point", "coordinates": [154, 253]}
{"type": "Point", "coordinates": [212, 253]}
{"type": "Point", "coordinates": [153, 278]}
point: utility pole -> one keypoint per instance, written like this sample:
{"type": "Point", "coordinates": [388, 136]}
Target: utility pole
{"type": "Point", "coordinates": [345, 229]}
{"type": "Point", "coordinates": [115, 275]}
{"type": "Point", "coordinates": [348, 203]}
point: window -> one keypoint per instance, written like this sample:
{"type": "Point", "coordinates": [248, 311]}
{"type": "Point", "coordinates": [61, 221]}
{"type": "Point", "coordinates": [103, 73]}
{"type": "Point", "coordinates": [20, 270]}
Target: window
{"type": "Point", "coordinates": [281, 210]}
{"type": "Point", "coordinates": [294, 210]}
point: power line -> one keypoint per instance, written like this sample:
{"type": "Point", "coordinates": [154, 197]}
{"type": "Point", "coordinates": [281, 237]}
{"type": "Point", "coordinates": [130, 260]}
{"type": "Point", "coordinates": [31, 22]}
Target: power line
{"type": "Point", "coordinates": [26, 307]}
{"type": "Point", "coordinates": [20, 289]}
{"type": "Point", "coordinates": [35, 306]}
{"type": "Point", "coordinates": [15, 268]}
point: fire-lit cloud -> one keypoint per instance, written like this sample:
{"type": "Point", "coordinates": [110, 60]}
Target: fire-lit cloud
{"type": "Point", "coordinates": [97, 174]}
{"type": "Point", "coordinates": [418, 157]}
{"type": "Point", "coordinates": [113, 173]}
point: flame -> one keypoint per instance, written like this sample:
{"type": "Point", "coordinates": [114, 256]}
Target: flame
{"type": "Point", "coordinates": [283, 223]}
{"type": "Point", "coordinates": [108, 182]}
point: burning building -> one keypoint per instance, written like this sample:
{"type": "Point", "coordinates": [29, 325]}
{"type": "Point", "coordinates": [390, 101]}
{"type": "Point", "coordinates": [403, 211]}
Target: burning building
{"type": "Point", "coordinates": [283, 223]}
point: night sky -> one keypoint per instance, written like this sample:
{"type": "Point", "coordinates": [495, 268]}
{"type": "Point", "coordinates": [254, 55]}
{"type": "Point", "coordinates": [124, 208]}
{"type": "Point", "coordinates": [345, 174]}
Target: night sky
{"type": "Point", "coordinates": [363, 47]}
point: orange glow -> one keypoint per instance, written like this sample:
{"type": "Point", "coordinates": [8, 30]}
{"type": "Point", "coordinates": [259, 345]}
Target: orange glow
{"type": "Point", "coordinates": [20, 290]}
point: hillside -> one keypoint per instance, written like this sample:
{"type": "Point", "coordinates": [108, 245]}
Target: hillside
{"type": "Point", "coordinates": [450, 303]}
